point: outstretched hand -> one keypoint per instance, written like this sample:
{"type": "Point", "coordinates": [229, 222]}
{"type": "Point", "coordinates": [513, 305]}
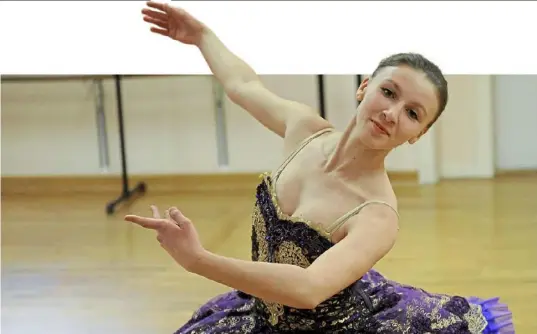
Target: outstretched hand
{"type": "Point", "coordinates": [176, 234]}
{"type": "Point", "coordinates": [173, 22]}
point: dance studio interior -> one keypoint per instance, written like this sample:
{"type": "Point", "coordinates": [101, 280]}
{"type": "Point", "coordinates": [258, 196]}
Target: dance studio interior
{"type": "Point", "coordinates": [81, 152]}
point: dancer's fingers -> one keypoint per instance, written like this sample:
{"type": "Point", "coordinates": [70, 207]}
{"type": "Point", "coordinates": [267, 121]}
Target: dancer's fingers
{"type": "Point", "coordinates": [156, 213]}
{"type": "Point", "coordinates": [157, 22]}
{"type": "Point", "coordinates": [156, 5]}
{"type": "Point", "coordinates": [163, 32]}
{"type": "Point", "coordinates": [154, 14]}
{"type": "Point", "coordinates": [179, 218]}
{"type": "Point", "coordinates": [150, 223]}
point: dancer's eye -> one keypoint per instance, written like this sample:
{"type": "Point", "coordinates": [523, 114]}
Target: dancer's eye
{"type": "Point", "coordinates": [412, 114]}
{"type": "Point", "coordinates": [387, 93]}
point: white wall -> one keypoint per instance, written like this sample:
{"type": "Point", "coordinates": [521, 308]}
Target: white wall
{"type": "Point", "coordinates": [49, 128]}
{"type": "Point", "coordinates": [516, 122]}
{"type": "Point", "coordinates": [170, 127]}
{"type": "Point", "coordinates": [466, 133]}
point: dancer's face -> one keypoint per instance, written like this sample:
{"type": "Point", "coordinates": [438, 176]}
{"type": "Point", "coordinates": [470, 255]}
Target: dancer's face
{"type": "Point", "coordinates": [399, 99]}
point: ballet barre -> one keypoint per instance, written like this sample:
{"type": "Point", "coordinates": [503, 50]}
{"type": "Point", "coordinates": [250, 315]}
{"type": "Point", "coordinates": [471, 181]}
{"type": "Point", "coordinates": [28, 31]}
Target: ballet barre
{"type": "Point", "coordinates": [126, 191]}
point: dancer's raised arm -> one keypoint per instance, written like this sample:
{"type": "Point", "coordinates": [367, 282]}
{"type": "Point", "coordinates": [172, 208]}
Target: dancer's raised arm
{"type": "Point", "coordinates": [288, 119]}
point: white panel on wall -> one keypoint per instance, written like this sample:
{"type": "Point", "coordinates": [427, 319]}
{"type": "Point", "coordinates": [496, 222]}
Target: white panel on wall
{"type": "Point", "coordinates": [427, 155]}
{"type": "Point", "coordinates": [169, 125]}
{"type": "Point", "coordinates": [515, 122]}
{"type": "Point", "coordinates": [466, 145]}
{"type": "Point", "coordinates": [402, 158]}
{"type": "Point", "coordinates": [49, 128]}
{"type": "Point", "coordinates": [340, 99]}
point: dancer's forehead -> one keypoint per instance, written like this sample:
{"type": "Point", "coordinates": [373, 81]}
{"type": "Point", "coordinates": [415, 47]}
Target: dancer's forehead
{"type": "Point", "coordinates": [410, 84]}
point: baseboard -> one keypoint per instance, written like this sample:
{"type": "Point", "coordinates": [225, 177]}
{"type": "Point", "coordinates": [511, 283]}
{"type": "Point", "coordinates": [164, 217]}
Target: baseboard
{"type": "Point", "coordinates": [515, 173]}
{"type": "Point", "coordinates": [62, 185]}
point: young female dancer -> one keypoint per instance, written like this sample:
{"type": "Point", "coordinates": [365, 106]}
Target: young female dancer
{"type": "Point", "coordinates": [323, 218]}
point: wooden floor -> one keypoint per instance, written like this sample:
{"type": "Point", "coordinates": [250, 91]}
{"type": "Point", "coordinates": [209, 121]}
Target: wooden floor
{"type": "Point", "coordinates": [68, 268]}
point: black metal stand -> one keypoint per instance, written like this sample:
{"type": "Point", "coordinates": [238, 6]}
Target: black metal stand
{"type": "Point", "coordinates": [358, 80]}
{"type": "Point", "coordinates": [320, 88]}
{"type": "Point", "coordinates": [140, 187]}
{"type": "Point", "coordinates": [358, 83]}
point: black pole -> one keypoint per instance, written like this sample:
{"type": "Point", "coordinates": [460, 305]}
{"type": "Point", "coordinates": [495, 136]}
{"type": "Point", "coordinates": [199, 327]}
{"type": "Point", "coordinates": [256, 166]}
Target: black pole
{"type": "Point", "coordinates": [358, 83]}
{"type": "Point", "coordinates": [119, 101]}
{"type": "Point", "coordinates": [126, 193]}
{"type": "Point", "coordinates": [320, 91]}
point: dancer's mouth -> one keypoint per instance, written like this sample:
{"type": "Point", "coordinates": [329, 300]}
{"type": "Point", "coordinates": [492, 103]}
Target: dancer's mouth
{"type": "Point", "coordinates": [380, 127]}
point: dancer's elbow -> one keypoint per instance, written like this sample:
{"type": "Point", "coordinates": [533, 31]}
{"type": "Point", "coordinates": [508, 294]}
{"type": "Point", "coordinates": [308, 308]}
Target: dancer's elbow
{"type": "Point", "coordinates": [306, 297]}
{"type": "Point", "coordinates": [304, 303]}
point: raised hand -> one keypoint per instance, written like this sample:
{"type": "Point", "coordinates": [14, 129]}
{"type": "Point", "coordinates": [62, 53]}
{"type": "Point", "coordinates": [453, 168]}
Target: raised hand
{"type": "Point", "coordinates": [176, 235]}
{"type": "Point", "coordinates": [173, 22]}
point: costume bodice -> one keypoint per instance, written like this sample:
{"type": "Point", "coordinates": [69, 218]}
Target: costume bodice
{"type": "Point", "coordinates": [372, 304]}
{"type": "Point", "coordinates": [281, 238]}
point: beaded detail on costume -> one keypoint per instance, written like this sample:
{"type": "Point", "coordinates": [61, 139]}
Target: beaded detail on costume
{"type": "Point", "coordinates": [280, 238]}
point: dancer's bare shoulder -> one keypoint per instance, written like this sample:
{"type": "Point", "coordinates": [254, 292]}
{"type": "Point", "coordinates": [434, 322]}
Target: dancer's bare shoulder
{"type": "Point", "coordinates": [380, 188]}
{"type": "Point", "coordinates": [373, 189]}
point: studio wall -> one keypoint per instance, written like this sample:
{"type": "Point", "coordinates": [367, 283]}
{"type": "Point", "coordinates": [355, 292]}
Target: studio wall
{"type": "Point", "coordinates": [49, 127]}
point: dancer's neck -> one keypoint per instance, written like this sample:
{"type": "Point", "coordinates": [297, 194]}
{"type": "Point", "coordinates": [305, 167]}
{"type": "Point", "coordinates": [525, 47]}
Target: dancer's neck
{"type": "Point", "coordinates": [349, 157]}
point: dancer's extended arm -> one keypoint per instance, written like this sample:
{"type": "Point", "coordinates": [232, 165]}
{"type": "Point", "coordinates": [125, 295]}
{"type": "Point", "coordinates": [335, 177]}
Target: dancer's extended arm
{"type": "Point", "coordinates": [370, 236]}
{"type": "Point", "coordinates": [243, 86]}
{"type": "Point", "coordinates": [291, 120]}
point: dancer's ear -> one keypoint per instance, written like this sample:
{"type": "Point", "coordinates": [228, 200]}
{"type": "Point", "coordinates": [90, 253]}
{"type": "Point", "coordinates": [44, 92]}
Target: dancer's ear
{"type": "Point", "coordinates": [360, 93]}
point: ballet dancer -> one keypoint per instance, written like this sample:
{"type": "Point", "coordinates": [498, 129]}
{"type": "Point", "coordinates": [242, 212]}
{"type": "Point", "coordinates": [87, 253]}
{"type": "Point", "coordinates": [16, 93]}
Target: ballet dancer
{"type": "Point", "coordinates": [324, 217]}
